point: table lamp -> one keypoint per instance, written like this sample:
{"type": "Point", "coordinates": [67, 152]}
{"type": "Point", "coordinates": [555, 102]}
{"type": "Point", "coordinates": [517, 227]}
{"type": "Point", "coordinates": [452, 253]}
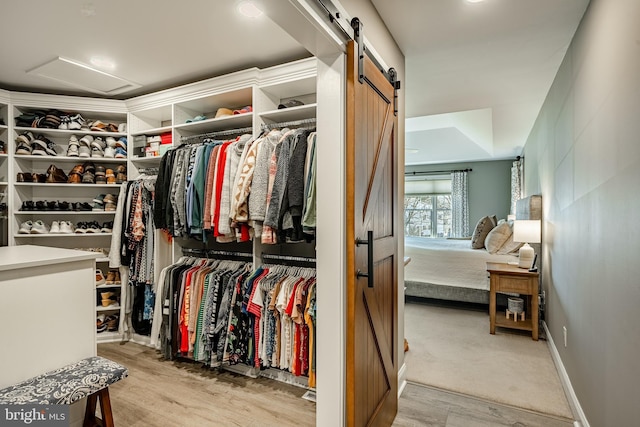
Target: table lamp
{"type": "Point", "coordinates": [526, 231]}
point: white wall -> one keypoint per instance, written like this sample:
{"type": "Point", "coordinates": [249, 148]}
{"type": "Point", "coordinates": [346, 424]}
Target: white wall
{"type": "Point", "coordinates": [583, 156]}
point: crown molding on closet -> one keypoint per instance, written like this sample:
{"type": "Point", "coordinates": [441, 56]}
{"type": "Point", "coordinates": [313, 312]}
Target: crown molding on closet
{"type": "Point", "coordinates": [40, 100]}
{"type": "Point", "coordinates": [5, 96]}
{"type": "Point", "coordinates": [297, 70]}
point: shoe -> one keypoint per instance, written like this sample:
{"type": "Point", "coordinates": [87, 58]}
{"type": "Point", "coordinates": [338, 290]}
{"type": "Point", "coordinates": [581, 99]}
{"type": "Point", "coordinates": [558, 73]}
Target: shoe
{"type": "Point", "coordinates": [53, 206]}
{"type": "Point", "coordinates": [86, 140]}
{"type": "Point", "coordinates": [122, 143]}
{"type": "Point", "coordinates": [81, 228]}
{"type": "Point", "coordinates": [39, 227]}
{"type": "Point", "coordinates": [99, 143]}
{"type": "Point", "coordinates": [27, 205]}
{"type": "Point", "coordinates": [93, 227]}
{"type": "Point", "coordinates": [66, 227]}
{"type": "Point", "coordinates": [117, 280]}
{"type": "Point", "coordinates": [100, 280]}
{"type": "Point", "coordinates": [101, 324]}
{"type": "Point", "coordinates": [111, 177]}
{"type": "Point", "coordinates": [112, 322]}
{"type": "Point", "coordinates": [120, 153]}
{"type": "Point", "coordinates": [89, 166]}
{"type": "Point", "coordinates": [99, 199]}
{"type": "Point", "coordinates": [64, 206]}
{"type": "Point", "coordinates": [73, 151]}
{"type": "Point", "coordinates": [110, 152]}
{"type": "Point", "coordinates": [110, 141]}
{"type": "Point", "coordinates": [23, 148]}
{"type": "Point", "coordinates": [25, 227]}
{"type": "Point", "coordinates": [98, 126]}
{"type": "Point", "coordinates": [122, 127]}
{"type": "Point", "coordinates": [39, 178]}
{"type": "Point", "coordinates": [110, 198]}
{"type": "Point", "coordinates": [55, 175]}
{"type": "Point", "coordinates": [55, 227]}
{"type": "Point", "coordinates": [41, 205]}
{"type": "Point", "coordinates": [88, 178]}
{"type": "Point", "coordinates": [97, 152]}
{"type": "Point", "coordinates": [25, 137]}
{"type": "Point", "coordinates": [75, 122]}
{"type": "Point", "coordinates": [107, 227]}
{"type": "Point", "coordinates": [111, 276]}
{"type": "Point", "coordinates": [74, 178]}
{"type": "Point", "coordinates": [84, 152]}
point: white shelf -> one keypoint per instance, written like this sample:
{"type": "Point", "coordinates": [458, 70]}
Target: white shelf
{"type": "Point", "coordinates": [64, 213]}
{"type": "Point", "coordinates": [154, 131]}
{"type": "Point", "coordinates": [4, 183]}
{"type": "Point", "coordinates": [67, 159]}
{"type": "Point", "coordinates": [46, 131]}
{"type": "Point", "coordinates": [63, 235]}
{"type": "Point", "coordinates": [152, 160]}
{"type": "Point", "coordinates": [105, 286]}
{"type": "Point", "coordinates": [103, 259]}
{"type": "Point", "coordinates": [104, 337]}
{"type": "Point", "coordinates": [110, 308]}
{"type": "Point", "coordinates": [289, 114]}
{"type": "Point", "coordinates": [4, 127]}
{"type": "Point", "coordinates": [212, 125]}
{"type": "Point", "coordinates": [4, 156]}
{"type": "Point", "coordinates": [62, 184]}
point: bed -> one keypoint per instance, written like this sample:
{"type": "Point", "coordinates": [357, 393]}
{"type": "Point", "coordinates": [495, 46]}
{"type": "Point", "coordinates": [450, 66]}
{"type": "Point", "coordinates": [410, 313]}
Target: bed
{"type": "Point", "coordinates": [449, 269]}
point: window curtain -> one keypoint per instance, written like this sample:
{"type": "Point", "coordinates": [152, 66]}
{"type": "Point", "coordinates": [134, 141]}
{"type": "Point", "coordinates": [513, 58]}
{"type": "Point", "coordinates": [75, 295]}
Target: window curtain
{"type": "Point", "coordinates": [516, 184]}
{"type": "Point", "coordinates": [459, 204]}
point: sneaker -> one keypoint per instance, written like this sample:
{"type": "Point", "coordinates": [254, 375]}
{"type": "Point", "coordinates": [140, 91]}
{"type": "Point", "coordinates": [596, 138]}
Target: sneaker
{"type": "Point", "coordinates": [110, 198]}
{"type": "Point", "coordinates": [86, 140]}
{"type": "Point", "coordinates": [122, 127]}
{"type": "Point", "coordinates": [99, 142]}
{"type": "Point", "coordinates": [84, 151]}
{"type": "Point", "coordinates": [112, 322]}
{"type": "Point", "coordinates": [110, 152]}
{"type": "Point", "coordinates": [120, 153]}
{"type": "Point", "coordinates": [55, 227]}
{"type": "Point", "coordinates": [97, 152]}
{"type": "Point", "coordinates": [97, 206]}
{"type": "Point", "coordinates": [122, 143]}
{"type": "Point", "coordinates": [101, 324]}
{"type": "Point", "coordinates": [107, 227]}
{"type": "Point", "coordinates": [93, 227]}
{"type": "Point", "coordinates": [81, 228]}
{"type": "Point", "coordinates": [23, 148]}
{"type": "Point", "coordinates": [100, 280]}
{"type": "Point", "coordinates": [40, 227]}
{"type": "Point", "coordinates": [66, 227]}
{"type": "Point", "coordinates": [73, 151]}
{"type": "Point", "coordinates": [25, 227]}
{"type": "Point", "coordinates": [25, 137]}
{"type": "Point", "coordinates": [76, 122]}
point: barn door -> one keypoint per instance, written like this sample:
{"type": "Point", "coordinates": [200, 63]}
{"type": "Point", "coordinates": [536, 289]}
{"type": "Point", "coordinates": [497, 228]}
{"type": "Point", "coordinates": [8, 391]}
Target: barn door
{"type": "Point", "coordinates": [372, 371]}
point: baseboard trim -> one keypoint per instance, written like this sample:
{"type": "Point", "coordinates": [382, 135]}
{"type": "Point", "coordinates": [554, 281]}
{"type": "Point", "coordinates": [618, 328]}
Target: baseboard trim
{"type": "Point", "coordinates": [402, 379]}
{"type": "Point", "coordinates": [574, 404]}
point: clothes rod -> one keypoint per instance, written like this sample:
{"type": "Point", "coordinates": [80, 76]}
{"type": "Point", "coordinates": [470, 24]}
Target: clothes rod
{"type": "Point", "coordinates": [293, 123]}
{"type": "Point", "coordinates": [436, 172]}
{"type": "Point", "coordinates": [227, 132]}
{"type": "Point", "coordinates": [211, 252]}
{"type": "Point", "coordinates": [287, 258]}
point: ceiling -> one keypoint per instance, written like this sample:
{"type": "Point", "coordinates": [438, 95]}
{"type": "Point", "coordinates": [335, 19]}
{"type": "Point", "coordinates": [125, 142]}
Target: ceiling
{"type": "Point", "coordinates": [476, 74]}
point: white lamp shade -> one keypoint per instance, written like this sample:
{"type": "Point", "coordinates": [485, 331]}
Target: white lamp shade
{"type": "Point", "coordinates": [526, 231]}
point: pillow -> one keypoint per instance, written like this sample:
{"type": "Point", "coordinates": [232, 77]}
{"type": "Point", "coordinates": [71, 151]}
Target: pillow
{"type": "Point", "coordinates": [509, 247]}
{"type": "Point", "coordinates": [497, 237]}
{"type": "Point", "coordinates": [483, 227]}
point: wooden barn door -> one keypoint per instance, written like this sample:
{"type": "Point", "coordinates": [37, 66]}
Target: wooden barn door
{"type": "Point", "coordinates": [372, 368]}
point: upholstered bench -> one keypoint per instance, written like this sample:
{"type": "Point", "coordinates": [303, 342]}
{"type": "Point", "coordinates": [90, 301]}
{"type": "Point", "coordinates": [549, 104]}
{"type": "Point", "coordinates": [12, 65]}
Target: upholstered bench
{"type": "Point", "coordinates": [90, 378]}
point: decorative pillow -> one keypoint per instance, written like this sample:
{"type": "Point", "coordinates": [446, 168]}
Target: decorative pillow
{"type": "Point", "coordinates": [509, 247]}
{"type": "Point", "coordinates": [497, 237]}
{"type": "Point", "coordinates": [483, 227]}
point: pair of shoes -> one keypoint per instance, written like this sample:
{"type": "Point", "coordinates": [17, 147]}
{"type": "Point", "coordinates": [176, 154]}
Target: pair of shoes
{"type": "Point", "coordinates": [81, 206]}
{"type": "Point", "coordinates": [74, 145]}
{"type": "Point", "coordinates": [113, 277]}
{"type": "Point", "coordinates": [110, 202]}
{"type": "Point", "coordinates": [31, 177]}
{"type": "Point", "coordinates": [89, 177]}
{"type": "Point", "coordinates": [101, 174]}
{"type": "Point", "coordinates": [112, 322]}
{"type": "Point", "coordinates": [110, 176]}
{"type": "Point", "coordinates": [61, 227]}
{"type": "Point", "coordinates": [44, 205]}
{"type": "Point", "coordinates": [23, 143]}
{"type": "Point", "coordinates": [55, 175]}
{"type": "Point", "coordinates": [121, 174]}
{"type": "Point", "coordinates": [33, 227]}
{"type": "Point", "coordinates": [107, 227]}
{"type": "Point", "coordinates": [88, 227]}
{"type": "Point", "coordinates": [43, 146]}
{"type": "Point", "coordinates": [98, 203]}
{"type": "Point", "coordinates": [74, 122]}
{"type": "Point", "coordinates": [101, 324]}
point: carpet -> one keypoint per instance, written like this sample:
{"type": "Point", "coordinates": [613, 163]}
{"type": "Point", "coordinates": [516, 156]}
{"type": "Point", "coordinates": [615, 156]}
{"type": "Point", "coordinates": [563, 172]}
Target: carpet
{"type": "Point", "coordinates": [451, 348]}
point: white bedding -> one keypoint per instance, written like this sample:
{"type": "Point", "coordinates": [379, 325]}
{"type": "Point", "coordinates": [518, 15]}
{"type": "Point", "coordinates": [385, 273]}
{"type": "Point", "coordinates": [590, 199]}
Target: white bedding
{"type": "Point", "coordinates": [449, 262]}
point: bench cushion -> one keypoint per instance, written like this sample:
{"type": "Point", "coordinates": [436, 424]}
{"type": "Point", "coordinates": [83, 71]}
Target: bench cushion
{"type": "Point", "coordinates": [67, 384]}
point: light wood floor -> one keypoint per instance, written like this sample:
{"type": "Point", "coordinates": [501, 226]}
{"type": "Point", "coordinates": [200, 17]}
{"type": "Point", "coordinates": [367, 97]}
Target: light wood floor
{"type": "Point", "coordinates": [175, 394]}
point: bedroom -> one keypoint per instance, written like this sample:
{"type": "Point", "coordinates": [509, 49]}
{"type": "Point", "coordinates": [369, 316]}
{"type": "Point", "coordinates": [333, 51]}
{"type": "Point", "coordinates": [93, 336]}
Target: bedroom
{"type": "Point", "coordinates": [582, 156]}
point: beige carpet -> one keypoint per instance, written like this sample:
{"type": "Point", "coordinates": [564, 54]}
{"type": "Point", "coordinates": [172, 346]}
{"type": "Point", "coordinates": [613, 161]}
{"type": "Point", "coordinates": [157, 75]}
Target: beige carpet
{"type": "Point", "coordinates": [452, 349]}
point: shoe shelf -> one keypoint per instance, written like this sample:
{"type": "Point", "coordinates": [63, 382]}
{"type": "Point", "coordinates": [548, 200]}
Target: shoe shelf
{"type": "Point", "coordinates": [109, 308]}
{"type": "Point", "coordinates": [3, 156]}
{"type": "Point", "coordinates": [67, 159]}
{"type": "Point", "coordinates": [3, 183]}
{"type": "Point", "coordinates": [105, 286]}
{"type": "Point", "coordinates": [212, 125]}
{"type": "Point", "coordinates": [146, 161]}
{"type": "Point", "coordinates": [65, 185]}
{"type": "Point", "coordinates": [153, 131]}
{"type": "Point", "coordinates": [60, 213]}
{"type": "Point", "coordinates": [289, 114]}
{"type": "Point", "coordinates": [28, 236]}
{"type": "Point", "coordinates": [108, 336]}
{"type": "Point", "coordinates": [49, 131]}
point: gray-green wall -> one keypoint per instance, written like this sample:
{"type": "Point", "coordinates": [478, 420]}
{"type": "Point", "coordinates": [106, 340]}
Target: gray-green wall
{"type": "Point", "coordinates": [489, 187]}
{"type": "Point", "coordinates": [583, 156]}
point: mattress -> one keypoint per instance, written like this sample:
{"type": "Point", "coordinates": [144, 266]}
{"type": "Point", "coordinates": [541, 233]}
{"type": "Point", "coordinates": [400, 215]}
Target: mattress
{"type": "Point", "coordinates": [449, 262]}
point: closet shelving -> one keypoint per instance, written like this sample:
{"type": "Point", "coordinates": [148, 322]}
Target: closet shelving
{"type": "Point", "coordinates": [107, 111]}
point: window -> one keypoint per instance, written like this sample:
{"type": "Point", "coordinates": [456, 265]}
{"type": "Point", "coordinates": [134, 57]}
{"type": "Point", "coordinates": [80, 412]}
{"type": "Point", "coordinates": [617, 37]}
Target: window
{"type": "Point", "coordinates": [427, 215]}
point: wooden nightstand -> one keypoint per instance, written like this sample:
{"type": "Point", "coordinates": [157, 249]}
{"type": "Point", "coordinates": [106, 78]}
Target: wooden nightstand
{"type": "Point", "coordinates": [512, 279]}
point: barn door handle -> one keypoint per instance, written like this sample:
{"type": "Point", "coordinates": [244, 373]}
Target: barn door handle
{"type": "Point", "coordinates": [369, 243]}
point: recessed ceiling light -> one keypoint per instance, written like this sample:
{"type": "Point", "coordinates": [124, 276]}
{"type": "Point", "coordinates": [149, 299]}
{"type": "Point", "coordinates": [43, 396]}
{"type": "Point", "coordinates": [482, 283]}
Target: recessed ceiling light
{"type": "Point", "coordinates": [249, 9]}
{"type": "Point", "coordinates": [103, 63]}
{"type": "Point", "coordinates": [474, 1]}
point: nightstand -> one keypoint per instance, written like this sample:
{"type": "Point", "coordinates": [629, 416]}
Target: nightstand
{"type": "Point", "coordinates": [506, 278]}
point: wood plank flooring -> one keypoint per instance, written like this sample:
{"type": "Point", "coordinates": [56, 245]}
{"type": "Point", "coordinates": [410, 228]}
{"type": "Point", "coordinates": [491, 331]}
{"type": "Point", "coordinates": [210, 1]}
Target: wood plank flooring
{"type": "Point", "coordinates": [427, 406]}
{"type": "Point", "coordinates": [175, 394]}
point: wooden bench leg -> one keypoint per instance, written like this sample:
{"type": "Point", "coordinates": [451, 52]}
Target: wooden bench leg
{"type": "Point", "coordinates": [90, 419]}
